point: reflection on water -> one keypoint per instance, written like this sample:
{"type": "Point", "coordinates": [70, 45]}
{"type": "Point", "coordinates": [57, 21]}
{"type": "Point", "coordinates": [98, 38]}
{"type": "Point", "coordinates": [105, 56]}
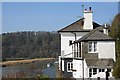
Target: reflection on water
{"type": "Point", "coordinates": [29, 70]}
{"type": "Point", "coordinates": [50, 72]}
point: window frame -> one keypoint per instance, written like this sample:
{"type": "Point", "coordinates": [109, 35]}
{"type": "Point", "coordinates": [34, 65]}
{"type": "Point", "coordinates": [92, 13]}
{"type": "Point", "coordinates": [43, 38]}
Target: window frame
{"type": "Point", "coordinates": [76, 50]}
{"type": "Point", "coordinates": [92, 46]}
{"type": "Point", "coordinates": [95, 46]}
{"type": "Point", "coordinates": [70, 42]}
{"type": "Point", "coordinates": [90, 72]}
{"type": "Point", "coordinates": [70, 66]}
{"type": "Point", "coordinates": [94, 71]}
{"type": "Point", "coordinates": [101, 70]}
{"type": "Point", "coordinates": [109, 70]}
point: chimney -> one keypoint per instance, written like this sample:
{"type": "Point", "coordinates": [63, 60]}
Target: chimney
{"type": "Point", "coordinates": [105, 29]}
{"type": "Point", "coordinates": [88, 19]}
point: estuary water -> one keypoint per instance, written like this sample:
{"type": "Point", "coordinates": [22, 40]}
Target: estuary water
{"type": "Point", "coordinates": [30, 70]}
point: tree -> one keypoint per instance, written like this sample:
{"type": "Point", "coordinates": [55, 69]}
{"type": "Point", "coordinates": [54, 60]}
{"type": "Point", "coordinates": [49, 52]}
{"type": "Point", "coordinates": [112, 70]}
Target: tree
{"type": "Point", "coordinates": [115, 33]}
{"type": "Point", "coordinates": [30, 44]}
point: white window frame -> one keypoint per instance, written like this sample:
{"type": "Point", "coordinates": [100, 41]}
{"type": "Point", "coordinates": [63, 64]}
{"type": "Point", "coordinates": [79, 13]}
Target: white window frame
{"type": "Point", "coordinates": [92, 72]}
{"type": "Point", "coordinates": [95, 46]}
{"type": "Point", "coordinates": [92, 46]}
{"type": "Point", "coordinates": [76, 50]}
{"type": "Point", "coordinates": [101, 70]}
{"type": "Point", "coordinates": [71, 66]}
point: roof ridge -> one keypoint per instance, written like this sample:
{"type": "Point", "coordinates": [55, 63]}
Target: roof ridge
{"type": "Point", "coordinates": [91, 32]}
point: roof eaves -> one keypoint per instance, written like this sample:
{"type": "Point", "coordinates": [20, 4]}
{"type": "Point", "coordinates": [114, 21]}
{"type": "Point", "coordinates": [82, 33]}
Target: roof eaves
{"type": "Point", "coordinates": [76, 31]}
{"type": "Point", "coordinates": [99, 40]}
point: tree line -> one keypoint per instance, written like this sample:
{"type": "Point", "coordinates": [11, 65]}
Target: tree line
{"type": "Point", "coordinates": [30, 44]}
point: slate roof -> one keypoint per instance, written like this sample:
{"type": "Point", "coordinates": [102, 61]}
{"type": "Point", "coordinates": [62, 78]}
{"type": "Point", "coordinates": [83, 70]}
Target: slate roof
{"type": "Point", "coordinates": [95, 35]}
{"type": "Point", "coordinates": [77, 26]}
{"type": "Point", "coordinates": [100, 62]}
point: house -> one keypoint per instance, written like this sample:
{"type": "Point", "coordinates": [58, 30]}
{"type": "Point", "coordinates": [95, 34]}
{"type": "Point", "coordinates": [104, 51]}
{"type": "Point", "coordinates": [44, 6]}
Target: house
{"type": "Point", "coordinates": [86, 49]}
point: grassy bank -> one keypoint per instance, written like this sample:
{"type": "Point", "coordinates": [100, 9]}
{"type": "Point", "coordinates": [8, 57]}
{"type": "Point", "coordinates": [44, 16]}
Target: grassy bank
{"type": "Point", "coordinates": [16, 62]}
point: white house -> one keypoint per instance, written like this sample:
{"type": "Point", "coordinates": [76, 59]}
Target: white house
{"type": "Point", "coordinates": [86, 49]}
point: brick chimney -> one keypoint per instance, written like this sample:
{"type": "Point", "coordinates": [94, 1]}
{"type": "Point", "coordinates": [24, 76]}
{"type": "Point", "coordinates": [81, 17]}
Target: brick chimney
{"type": "Point", "coordinates": [88, 19]}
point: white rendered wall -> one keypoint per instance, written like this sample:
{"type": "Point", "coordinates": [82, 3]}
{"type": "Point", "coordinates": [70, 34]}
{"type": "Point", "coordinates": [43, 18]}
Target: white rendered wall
{"type": "Point", "coordinates": [86, 70]}
{"type": "Point", "coordinates": [62, 65]}
{"type": "Point", "coordinates": [65, 38]}
{"type": "Point", "coordinates": [106, 49]}
{"type": "Point", "coordinates": [88, 20]}
{"type": "Point", "coordinates": [77, 65]}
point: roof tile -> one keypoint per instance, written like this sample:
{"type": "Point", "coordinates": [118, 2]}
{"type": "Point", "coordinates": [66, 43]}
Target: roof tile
{"type": "Point", "coordinates": [77, 26]}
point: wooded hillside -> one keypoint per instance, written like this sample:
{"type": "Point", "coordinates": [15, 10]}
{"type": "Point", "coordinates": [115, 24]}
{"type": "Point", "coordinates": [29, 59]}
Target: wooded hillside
{"type": "Point", "coordinates": [30, 45]}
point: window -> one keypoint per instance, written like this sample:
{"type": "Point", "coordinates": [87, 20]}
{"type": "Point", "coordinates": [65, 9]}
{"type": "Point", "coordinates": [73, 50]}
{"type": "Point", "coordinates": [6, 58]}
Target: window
{"type": "Point", "coordinates": [109, 70]}
{"type": "Point", "coordinates": [90, 72]}
{"type": "Point", "coordinates": [70, 42]}
{"type": "Point", "coordinates": [94, 71]}
{"type": "Point", "coordinates": [69, 67]}
{"type": "Point", "coordinates": [101, 70]}
{"type": "Point", "coordinates": [76, 50]}
{"type": "Point", "coordinates": [92, 47]}
{"type": "Point", "coordinates": [95, 46]}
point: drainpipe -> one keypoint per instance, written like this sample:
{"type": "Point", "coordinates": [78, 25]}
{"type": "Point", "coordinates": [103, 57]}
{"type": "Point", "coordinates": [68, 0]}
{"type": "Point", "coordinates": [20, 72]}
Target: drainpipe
{"type": "Point", "coordinates": [75, 40]}
{"type": "Point", "coordinates": [74, 46]}
{"type": "Point", "coordinates": [75, 35]}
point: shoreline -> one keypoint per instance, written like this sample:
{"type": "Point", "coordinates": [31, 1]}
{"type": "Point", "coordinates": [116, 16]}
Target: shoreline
{"type": "Point", "coordinates": [26, 61]}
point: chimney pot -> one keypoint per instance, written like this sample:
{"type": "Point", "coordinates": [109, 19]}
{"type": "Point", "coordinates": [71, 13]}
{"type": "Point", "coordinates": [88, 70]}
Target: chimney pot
{"type": "Point", "coordinates": [106, 26]}
{"type": "Point", "coordinates": [90, 8]}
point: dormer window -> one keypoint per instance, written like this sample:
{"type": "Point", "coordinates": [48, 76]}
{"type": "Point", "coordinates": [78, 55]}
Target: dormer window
{"type": "Point", "coordinates": [92, 46]}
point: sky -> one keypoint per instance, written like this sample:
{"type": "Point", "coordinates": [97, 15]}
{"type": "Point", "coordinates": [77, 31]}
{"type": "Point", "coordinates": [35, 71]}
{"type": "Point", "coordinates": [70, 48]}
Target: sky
{"type": "Point", "coordinates": [51, 16]}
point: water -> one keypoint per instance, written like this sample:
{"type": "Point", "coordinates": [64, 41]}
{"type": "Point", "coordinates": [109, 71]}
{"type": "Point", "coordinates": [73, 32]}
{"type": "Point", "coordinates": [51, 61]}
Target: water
{"type": "Point", "coordinates": [30, 70]}
{"type": "Point", "coordinates": [50, 71]}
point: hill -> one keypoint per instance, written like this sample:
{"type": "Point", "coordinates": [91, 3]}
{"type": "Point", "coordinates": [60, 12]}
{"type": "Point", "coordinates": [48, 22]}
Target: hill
{"type": "Point", "coordinates": [30, 45]}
